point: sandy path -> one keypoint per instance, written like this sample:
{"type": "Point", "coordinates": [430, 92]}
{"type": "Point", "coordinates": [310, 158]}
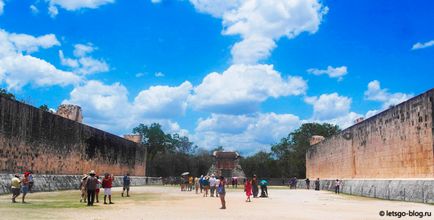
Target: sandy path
{"type": "Point", "coordinates": [170, 203]}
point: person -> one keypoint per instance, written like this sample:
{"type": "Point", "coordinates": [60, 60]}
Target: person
{"type": "Point", "coordinates": [196, 184]}
{"type": "Point", "coordinates": [236, 182]}
{"type": "Point", "coordinates": [190, 183]}
{"type": "Point", "coordinates": [337, 186]}
{"type": "Point", "coordinates": [295, 182]}
{"type": "Point", "coordinates": [217, 182]}
{"type": "Point", "coordinates": [307, 183]}
{"type": "Point", "coordinates": [31, 181]}
{"type": "Point", "coordinates": [248, 189]}
{"type": "Point", "coordinates": [126, 185]}
{"type": "Point", "coordinates": [317, 184]}
{"type": "Point", "coordinates": [83, 191]}
{"type": "Point", "coordinates": [107, 185]}
{"type": "Point", "coordinates": [233, 182]}
{"type": "Point", "coordinates": [201, 183]}
{"type": "Point", "coordinates": [212, 184]}
{"type": "Point", "coordinates": [98, 187]}
{"type": "Point", "coordinates": [206, 186]}
{"type": "Point", "coordinates": [91, 183]}
{"type": "Point", "coordinates": [264, 190]}
{"type": "Point", "coordinates": [15, 187]}
{"type": "Point", "coordinates": [255, 189]}
{"type": "Point", "coordinates": [25, 186]}
{"type": "Point", "coordinates": [222, 192]}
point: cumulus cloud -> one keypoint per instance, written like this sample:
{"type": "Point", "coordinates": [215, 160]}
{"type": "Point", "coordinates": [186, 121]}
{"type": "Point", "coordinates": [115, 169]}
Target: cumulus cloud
{"type": "Point", "coordinates": [241, 88]}
{"type": "Point", "coordinates": [108, 107]}
{"type": "Point", "coordinates": [83, 63]}
{"type": "Point", "coordinates": [262, 22]}
{"type": "Point", "coordinates": [419, 45]}
{"type": "Point", "coordinates": [246, 133]}
{"type": "Point", "coordinates": [332, 72]}
{"type": "Point", "coordinates": [376, 93]}
{"type": "Point", "coordinates": [19, 68]}
{"type": "Point", "coordinates": [328, 106]}
{"type": "Point", "coordinates": [73, 5]}
{"type": "Point", "coordinates": [159, 74]}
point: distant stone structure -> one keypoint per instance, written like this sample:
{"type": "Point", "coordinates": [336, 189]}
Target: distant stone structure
{"type": "Point", "coordinates": [226, 163]}
{"type": "Point", "coordinates": [316, 139]}
{"type": "Point", "coordinates": [137, 138]}
{"type": "Point", "coordinates": [394, 144]}
{"type": "Point", "coordinates": [72, 112]}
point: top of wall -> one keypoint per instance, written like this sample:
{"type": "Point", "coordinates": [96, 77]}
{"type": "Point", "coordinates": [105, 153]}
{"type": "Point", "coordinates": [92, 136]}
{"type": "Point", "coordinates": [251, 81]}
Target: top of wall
{"type": "Point", "coordinates": [375, 117]}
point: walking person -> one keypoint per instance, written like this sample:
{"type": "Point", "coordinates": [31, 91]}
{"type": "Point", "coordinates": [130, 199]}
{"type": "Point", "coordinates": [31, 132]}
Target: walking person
{"type": "Point", "coordinates": [25, 186]}
{"type": "Point", "coordinates": [98, 187]}
{"type": "Point", "coordinates": [337, 186]}
{"type": "Point", "coordinates": [126, 185]}
{"type": "Point", "coordinates": [255, 189]}
{"type": "Point", "coordinates": [212, 184]}
{"type": "Point", "coordinates": [107, 185]}
{"type": "Point", "coordinates": [317, 184]}
{"type": "Point", "coordinates": [248, 189]}
{"type": "Point", "coordinates": [307, 183]}
{"type": "Point", "coordinates": [206, 186]}
{"type": "Point", "coordinates": [15, 187]}
{"type": "Point", "coordinates": [83, 191]}
{"type": "Point", "coordinates": [201, 183]}
{"type": "Point", "coordinates": [196, 184]}
{"type": "Point", "coordinates": [222, 192]}
{"type": "Point", "coordinates": [217, 183]}
{"type": "Point", "coordinates": [91, 184]}
{"type": "Point", "coordinates": [31, 181]}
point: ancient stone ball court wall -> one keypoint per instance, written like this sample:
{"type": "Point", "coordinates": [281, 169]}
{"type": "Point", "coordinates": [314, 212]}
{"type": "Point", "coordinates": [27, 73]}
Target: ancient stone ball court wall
{"type": "Point", "coordinates": [32, 139]}
{"type": "Point", "coordinates": [396, 143]}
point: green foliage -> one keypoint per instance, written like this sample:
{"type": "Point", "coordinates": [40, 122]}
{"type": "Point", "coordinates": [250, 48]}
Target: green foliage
{"type": "Point", "coordinates": [6, 94]}
{"type": "Point", "coordinates": [288, 157]}
{"type": "Point", "coordinates": [44, 108]}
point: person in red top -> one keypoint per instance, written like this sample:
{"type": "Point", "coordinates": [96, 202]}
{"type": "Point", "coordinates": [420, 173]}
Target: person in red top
{"type": "Point", "coordinates": [248, 189]}
{"type": "Point", "coordinates": [107, 185]}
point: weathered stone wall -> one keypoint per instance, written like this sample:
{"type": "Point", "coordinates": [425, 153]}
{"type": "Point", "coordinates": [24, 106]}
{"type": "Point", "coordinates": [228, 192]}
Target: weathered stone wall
{"type": "Point", "coordinates": [44, 183]}
{"type": "Point", "coordinates": [397, 143]}
{"type": "Point", "coordinates": [32, 139]}
{"type": "Point", "coordinates": [421, 190]}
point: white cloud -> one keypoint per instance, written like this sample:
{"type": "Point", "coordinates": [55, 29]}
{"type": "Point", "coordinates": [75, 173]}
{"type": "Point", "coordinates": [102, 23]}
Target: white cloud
{"type": "Point", "coordinates": [138, 75]}
{"type": "Point", "coordinates": [108, 107]}
{"type": "Point", "coordinates": [376, 93]}
{"type": "Point", "coordinates": [246, 133]}
{"type": "Point", "coordinates": [163, 101]}
{"type": "Point", "coordinates": [328, 106]}
{"type": "Point", "coordinates": [332, 72]}
{"type": "Point", "coordinates": [419, 45]}
{"type": "Point", "coordinates": [159, 74]}
{"type": "Point", "coordinates": [83, 63]}
{"type": "Point", "coordinates": [156, 1]}
{"type": "Point", "coordinates": [261, 22]}
{"type": "Point", "coordinates": [18, 68]}
{"type": "Point", "coordinates": [2, 5]}
{"type": "Point", "coordinates": [34, 9]}
{"type": "Point", "coordinates": [73, 5]}
{"type": "Point", "coordinates": [241, 88]}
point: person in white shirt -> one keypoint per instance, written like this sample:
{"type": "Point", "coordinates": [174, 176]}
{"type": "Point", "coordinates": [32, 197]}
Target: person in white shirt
{"type": "Point", "coordinates": [217, 182]}
{"type": "Point", "coordinates": [212, 184]}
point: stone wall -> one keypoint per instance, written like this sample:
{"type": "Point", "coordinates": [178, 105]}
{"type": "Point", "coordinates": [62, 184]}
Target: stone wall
{"type": "Point", "coordinates": [44, 183]}
{"type": "Point", "coordinates": [421, 190]}
{"type": "Point", "coordinates": [396, 143]}
{"type": "Point", "coordinates": [32, 139]}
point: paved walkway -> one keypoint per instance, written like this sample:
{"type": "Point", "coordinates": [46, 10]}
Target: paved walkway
{"type": "Point", "coordinates": [157, 202]}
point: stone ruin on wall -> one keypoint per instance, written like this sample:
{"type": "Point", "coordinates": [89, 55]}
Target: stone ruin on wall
{"type": "Point", "coordinates": [226, 163]}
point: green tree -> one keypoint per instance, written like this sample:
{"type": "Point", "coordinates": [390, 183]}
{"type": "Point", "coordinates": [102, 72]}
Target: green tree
{"type": "Point", "coordinates": [44, 108]}
{"type": "Point", "coordinates": [6, 94]}
{"type": "Point", "coordinates": [154, 139]}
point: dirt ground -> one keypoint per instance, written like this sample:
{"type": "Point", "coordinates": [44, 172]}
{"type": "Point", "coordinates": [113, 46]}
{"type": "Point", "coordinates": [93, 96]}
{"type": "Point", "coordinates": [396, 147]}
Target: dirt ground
{"type": "Point", "coordinates": [159, 202]}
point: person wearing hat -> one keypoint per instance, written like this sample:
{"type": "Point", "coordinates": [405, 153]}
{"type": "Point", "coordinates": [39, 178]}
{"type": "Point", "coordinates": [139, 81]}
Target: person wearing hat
{"type": "Point", "coordinates": [15, 187]}
{"type": "Point", "coordinates": [91, 183]}
{"type": "Point", "coordinates": [212, 184]}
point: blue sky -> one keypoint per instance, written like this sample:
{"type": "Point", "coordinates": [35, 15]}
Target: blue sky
{"type": "Point", "coordinates": [241, 74]}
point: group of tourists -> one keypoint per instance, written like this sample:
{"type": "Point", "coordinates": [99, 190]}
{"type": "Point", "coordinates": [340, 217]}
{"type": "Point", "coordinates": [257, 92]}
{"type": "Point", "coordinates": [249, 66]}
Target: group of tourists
{"type": "Point", "coordinates": [251, 188]}
{"type": "Point", "coordinates": [22, 185]}
{"type": "Point", "coordinates": [207, 185]}
{"type": "Point", "coordinates": [337, 185]}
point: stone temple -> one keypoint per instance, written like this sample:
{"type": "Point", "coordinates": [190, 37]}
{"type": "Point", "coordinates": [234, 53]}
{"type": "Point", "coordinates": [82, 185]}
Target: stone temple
{"type": "Point", "coordinates": [226, 163]}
